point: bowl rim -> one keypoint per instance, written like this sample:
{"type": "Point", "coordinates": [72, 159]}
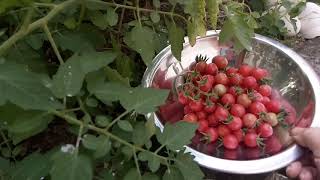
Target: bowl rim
{"type": "Point", "coordinates": [262, 165]}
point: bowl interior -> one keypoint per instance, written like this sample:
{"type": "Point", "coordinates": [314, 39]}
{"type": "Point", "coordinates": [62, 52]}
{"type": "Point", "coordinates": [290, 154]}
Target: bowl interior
{"type": "Point", "coordinates": [289, 79]}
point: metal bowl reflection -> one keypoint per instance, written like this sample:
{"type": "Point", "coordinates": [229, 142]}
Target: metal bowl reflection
{"type": "Point", "coordinates": [294, 79]}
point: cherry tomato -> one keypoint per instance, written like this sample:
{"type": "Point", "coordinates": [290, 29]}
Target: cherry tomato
{"type": "Point", "coordinates": [237, 110]}
{"type": "Point", "coordinates": [211, 69]}
{"type": "Point", "coordinates": [257, 108]}
{"type": "Point", "coordinates": [265, 130]}
{"type": "Point", "coordinates": [183, 99]}
{"type": "Point", "coordinates": [271, 118]}
{"type": "Point", "coordinates": [230, 71]}
{"type": "Point", "coordinates": [235, 79]}
{"type": "Point", "coordinates": [235, 90]}
{"type": "Point", "coordinates": [203, 125]}
{"type": "Point", "coordinates": [265, 100]}
{"type": "Point", "coordinates": [230, 154]}
{"type": "Point", "coordinates": [259, 73]}
{"type": "Point", "coordinates": [265, 90]}
{"type": "Point", "coordinates": [223, 130]}
{"type": "Point", "coordinates": [222, 78]}
{"type": "Point", "coordinates": [239, 134]}
{"type": "Point", "coordinates": [215, 98]}
{"type": "Point", "coordinates": [274, 106]}
{"type": "Point", "coordinates": [201, 67]}
{"type": "Point", "coordinates": [187, 110]}
{"type": "Point", "coordinates": [228, 99]}
{"type": "Point", "coordinates": [230, 141]}
{"type": "Point", "coordinates": [196, 105]}
{"type": "Point", "coordinates": [221, 113]}
{"type": "Point", "coordinates": [250, 82]}
{"type": "Point", "coordinates": [235, 124]}
{"type": "Point", "coordinates": [249, 120]}
{"type": "Point", "coordinates": [257, 97]}
{"type": "Point", "coordinates": [250, 140]}
{"type": "Point", "coordinates": [206, 83]}
{"type": "Point", "coordinates": [209, 108]}
{"type": "Point", "coordinates": [220, 61]}
{"type": "Point", "coordinates": [220, 89]}
{"type": "Point", "coordinates": [272, 145]}
{"type": "Point", "coordinates": [212, 133]}
{"type": "Point", "coordinates": [191, 117]}
{"type": "Point", "coordinates": [245, 70]}
{"type": "Point", "coordinates": [212, 120]}
{"type": "Point", "coordinates": [201, 115]}
{"type": "Point", "coordinates": [244, 100]}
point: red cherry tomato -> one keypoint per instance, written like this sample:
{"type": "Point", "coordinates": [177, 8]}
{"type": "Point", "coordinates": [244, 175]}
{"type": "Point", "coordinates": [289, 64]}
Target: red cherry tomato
{"type": "Point", "coordinates": [203, 125]}
{"type": "Point", "coordinates": [191, 117]}
{"type": "Point", "coordinates": [239, 134]}
{"type": "Point", "coordinates": [265, 130]}
{"type": "Point", "coordinates": [259, 73]}
{"type": "Point", "coordinates": [211, 69]}
{"type": "Point", "coordinates": [272, 145]}
{"type": "Point", "coordinates": [196, 105]}
{"type": "Point", "coordinates": [212, 120]}
{"type": "Point", "coordinates": [265, 90]}
{"type": "Point", "coordinates": [244, 100]}
{"type": "Point", "coordinates": [235, 124]}
{"type": "Point", "coordinates": [257, 97]}
{"type": "Point", "coordinates": [231, 71]}
{"type": "Point", "coordinates": [222, 78]}
{"type": "Point", "coordinates": [228, 99]}
{"type": "Point", "coordinates": [265, 100]}
{"type": "Point", "coordinates": [235, 79]}
{"type": "Point", "coordinates": [251, 140]}
{"type": "Point", "coordinates": [230, 142]}
{"type": "Point", "coordinates": [230, 154]}
{"type": "Point", "coordinates": [274, 106]}
{"type": "Point", "coordinates": [235, 90]}
{"type": "Point", "coordinates": [209, 108]}
{"type": "Point", "coordinates": [257, 108]}
{"type": "Point", "coordinates": [201, 115]}
{"type": "Point", "coordinates": [221, 113]}
{"type": "Point", "coordinates": [249, 120]}
{"type": "Point", "coordinates": [183, 99]}
{"type": "Point", "coordinates": [250, 82]}
{"type": "Point", "coordinates": [212, 133]}
{"type": "Point", "coordinates": [223, 130]}
{"type": "Point", "coordinates": [220, 61]}
{"type": "Point", "coordinates": [201, 67]}
{"type": "Point", "coordinates": [187, 110]}
{"type": "Point", "coordinates": [237, 110]}
{"type": "Point", "coordinates": [245, 70]}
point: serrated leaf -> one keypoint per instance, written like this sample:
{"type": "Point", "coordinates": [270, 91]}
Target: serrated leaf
{"type": "Point", "coordinates": [99, 19]}
{"type": "Point", "coordinates": [142, 100]}
{"type": "Point", "coordinates": [172, 174]}
{"type": "Point", "coordinates": [125, 125]}
{"type": "Point", "coordinates": [188, 168]}
{"type": "Point", "coordinates": [192, 34]}
{"type": "Point", "coordinates": [176, 39]}
{"type": "Point", "coordinates": [236, 29]}
{"type": "Point", "coordinates": [140, 39]}
{"type": "Point", "coordinates": [24, 88]}
{"type": "Point", "coordinates": [213, 12]}
{"type": "Point", "coordinates": [156, 3]}
{"type": "Point", "coordinates": [199, 19]}
{"type": "Point", "coordinates": [175, 136]}
{"type": "Point", "coordinates": [112, 17]}
{"type": "Point", "coordinates": [32, 167]}
{"type": "Point", "coordinates": [114, 76]}
{"type": "Point", "coordinates": [70, 75]}
{"type": "Point", "coordinates": [153, 161]}
{"type": "Point", "coordinates": [155, 17]}
{"type": "Point", "coordinates": [101, 144]}
{"type": "Point", "coordinates": [132, 175]}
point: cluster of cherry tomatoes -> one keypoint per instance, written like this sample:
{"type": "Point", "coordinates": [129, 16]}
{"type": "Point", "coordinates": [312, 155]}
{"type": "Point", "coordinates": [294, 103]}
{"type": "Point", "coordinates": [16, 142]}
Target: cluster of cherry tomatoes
{"type": "Point", "coordinates": [230, 104]}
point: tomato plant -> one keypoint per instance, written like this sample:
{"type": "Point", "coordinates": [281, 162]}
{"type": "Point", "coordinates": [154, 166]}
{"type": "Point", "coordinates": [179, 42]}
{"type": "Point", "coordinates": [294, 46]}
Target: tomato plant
{"type": "Point", "coordinates": [70, 70]}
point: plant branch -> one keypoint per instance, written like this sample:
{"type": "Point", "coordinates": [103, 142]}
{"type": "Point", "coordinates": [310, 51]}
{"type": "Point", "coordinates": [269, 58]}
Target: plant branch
{"type": "Point", "coordinates": [138, 12]}
{"type": "Point", "coordinates": [135, 8]}
{"type": "Point", "coordinates": [117, 119]}
{"type": "Point", "coordinates": [136, 162]}
{"type": "Point", "coordinates": [33, 26]}
{"type": "Point", "coordinates": [75, 121]}
{"type": "Point", "coordinates": [50, 5]}
{"type": "Point", "coordinates": [53, 44]}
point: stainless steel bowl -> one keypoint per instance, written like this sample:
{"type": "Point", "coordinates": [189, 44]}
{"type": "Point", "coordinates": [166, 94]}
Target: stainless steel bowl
{"type": "Point", "coordinates": [293, 77]}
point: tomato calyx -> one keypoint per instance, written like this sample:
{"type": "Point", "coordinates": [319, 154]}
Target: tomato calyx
{"type": "Point", "coordinates": [260, 142]}
{"type": "Point", "coordinates": [200, 58]}
{"type": "Point", "coordinates": [228, 120]}
{"type": "Point", "coordinates": [265, 81]}
{"type": "Point", "coordinates": [281, 116]}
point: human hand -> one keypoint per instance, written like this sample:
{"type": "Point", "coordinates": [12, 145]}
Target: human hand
{"type": "Point", "coordinates": [308, 167]}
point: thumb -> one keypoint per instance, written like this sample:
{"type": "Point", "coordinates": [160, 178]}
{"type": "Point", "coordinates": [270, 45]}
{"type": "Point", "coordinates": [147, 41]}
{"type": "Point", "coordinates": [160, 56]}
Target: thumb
{"type": "Point", "coordinates": [308, 137]}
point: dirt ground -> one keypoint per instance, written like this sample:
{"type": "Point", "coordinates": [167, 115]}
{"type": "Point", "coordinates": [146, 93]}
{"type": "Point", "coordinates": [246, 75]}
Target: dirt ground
{"type": "Point", "coordinates": [309, 50]}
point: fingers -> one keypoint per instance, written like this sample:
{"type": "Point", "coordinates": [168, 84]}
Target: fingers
{"type": "Point", "coordinates": [308, 173]}
{"type": "Point", "coordinates": [307, 137]}
{"type": "Point", "coordinates": [294, 169]}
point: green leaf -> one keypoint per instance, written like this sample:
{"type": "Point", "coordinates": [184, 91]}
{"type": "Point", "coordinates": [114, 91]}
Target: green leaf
{"type": "Point", "coordinates": [149, 176]}
{"type": "Point", "coordinates": [156, 3]}
{"type": "Point", "coordinates": [24, 88]}
{"type": "Point", "coordinates": [155, 17]}
{"type": "Point", "coordinates": [114, 76]}
{"type": "Point", "coordinates": [70, 166]}
{"type": "Point", "coordinates": [35, 40]}
{"type": "Point", "coordinates": [176, 39]}
{"type": "Point", "coordinates": [153, 161]}
{"type": "Point", "coordinates": [236, 29]}
{"type": "Point", "coordinates": [99, 19]}
{"type": "Point", "coordinates": [4, 167]}
{"type": "Point", "coordinates": [102, 121]}
{"type": "Point", "coordinates": [132, 175]}
{"type": "Point", "coordinates": [140, 134]}
{"type": "Point", "coordinates": [142, 100]}
{"type": "Point", "coordinates": [101, 144]}
{"type": "Point", "coordinates": [70, 75]}
{"type": "Point", "coordinates": [192, 34]}
{"type": "Point", "coordinates": [70, 23]}
{"type": "Point", "coordinates": [188, 168]}
{"type": "Point", "coordinates": [33, 167]}
{"type": "Point", "coordinates": [125, 125]}
{"type": "Point", "coordinates": [125, 66]}
{"type": "Point", "coordinates": [6, 4]}
{"type": "Point", "coordinates": [172, 174]}
{"type": "Point", "coordinates": [92, 102]}
{"type": "Point", "coordinates": [140, 39]}
{"type": "Point", "coordinates": [112, 17]}
{"type": "Point", "coordinates": [213, 12]}
{"type": "Point", "coordinates": [175, 136]}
